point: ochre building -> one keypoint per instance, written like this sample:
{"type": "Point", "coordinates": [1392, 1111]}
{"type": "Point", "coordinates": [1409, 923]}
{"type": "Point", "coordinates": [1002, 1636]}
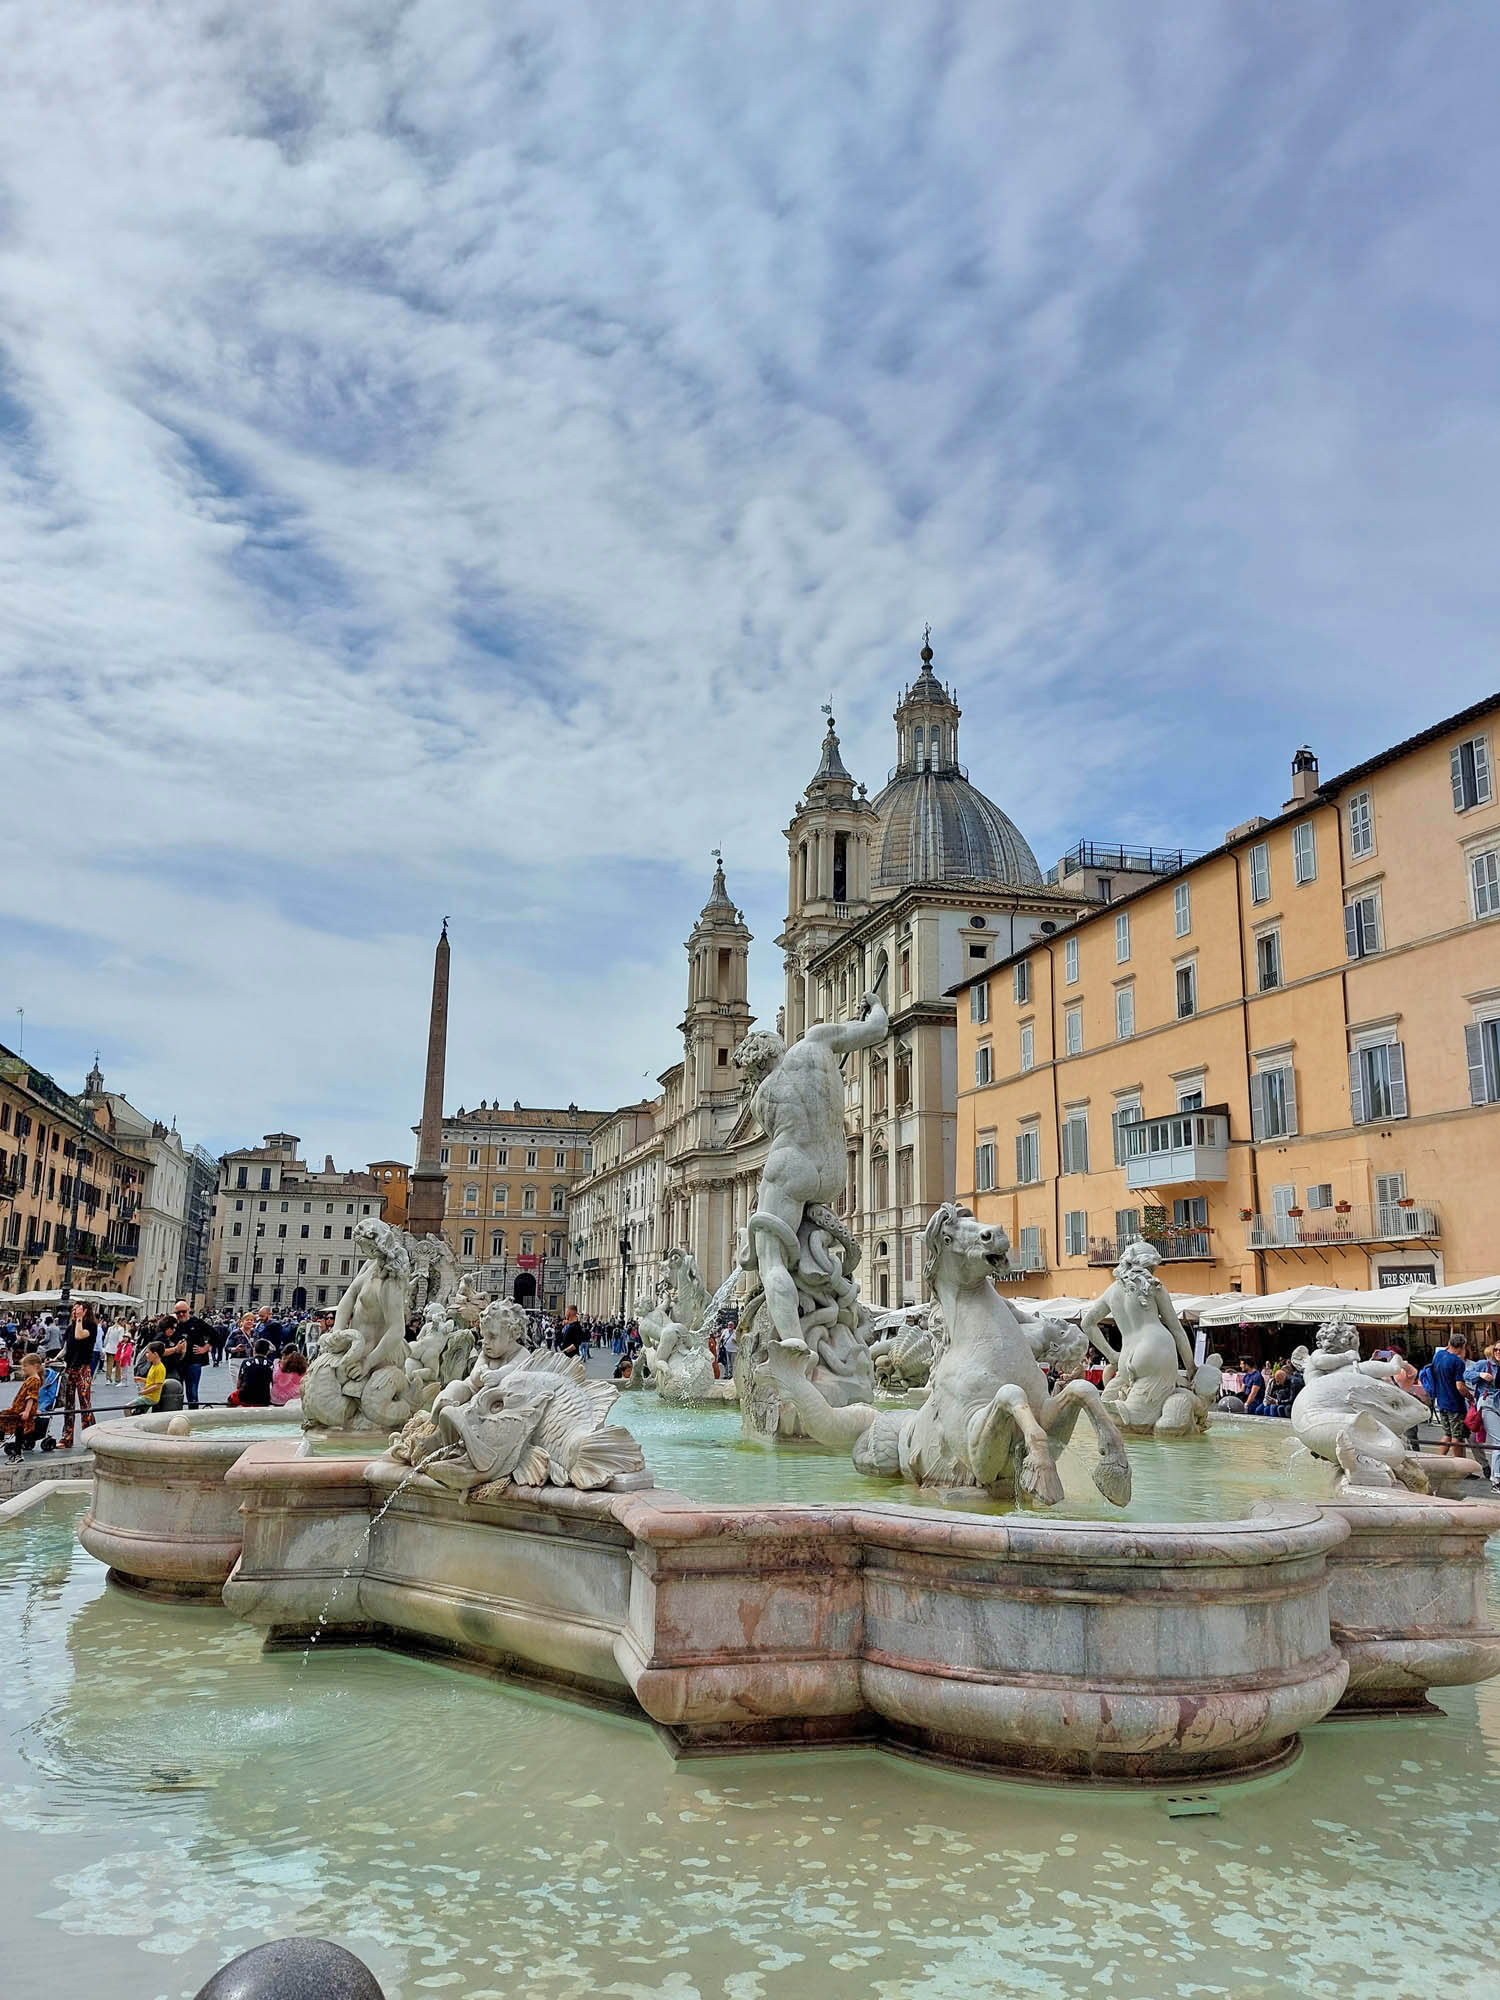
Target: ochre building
{"type": "Point", "coordinates": [1281, 1062]}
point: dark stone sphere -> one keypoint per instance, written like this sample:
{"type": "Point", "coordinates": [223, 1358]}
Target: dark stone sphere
{"type": "Point", "coordinates": [298, 1968]}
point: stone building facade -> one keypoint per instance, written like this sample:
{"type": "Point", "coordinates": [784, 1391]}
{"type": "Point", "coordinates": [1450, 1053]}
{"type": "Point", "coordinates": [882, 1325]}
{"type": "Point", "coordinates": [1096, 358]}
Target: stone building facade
{"type": "Point", "coordinates": [1281, 1062]}
{"type": "Point", "coordinates": [282, 1232]}
{"type": "Point", "coordinates": [510, 1179]}
{"type": "Point", "coordinates": [46, 1135]}
{"type": "Point", "coordinates": [616, 1242]}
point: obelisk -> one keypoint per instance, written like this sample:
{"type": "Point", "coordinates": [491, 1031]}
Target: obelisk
{"type": "Point", "coordinates": [429, 1181]}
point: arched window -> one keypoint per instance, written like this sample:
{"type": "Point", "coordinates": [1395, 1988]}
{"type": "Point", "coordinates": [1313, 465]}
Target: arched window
{"type": "Point", "coordinates": [468, 1243]}
{"type": "Point", "coordinates": [917, 741]}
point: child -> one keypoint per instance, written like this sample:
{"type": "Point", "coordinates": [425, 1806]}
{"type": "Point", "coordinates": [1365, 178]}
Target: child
{"type": "Point", "coordinates": [156, 1374]}
{"type": "Point", "coordinates": [18, 1423]}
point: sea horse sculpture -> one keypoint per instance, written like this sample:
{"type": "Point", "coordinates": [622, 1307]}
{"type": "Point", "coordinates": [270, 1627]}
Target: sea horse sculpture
{"type": "Point", "coordinates": [989, 1420]}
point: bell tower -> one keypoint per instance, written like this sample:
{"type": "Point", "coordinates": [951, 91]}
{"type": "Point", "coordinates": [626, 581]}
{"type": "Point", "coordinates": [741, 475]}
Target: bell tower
{"type": "Point", "coordinates": [718, 1013]}
{"type": "Point", "coordinates": [829, 847]}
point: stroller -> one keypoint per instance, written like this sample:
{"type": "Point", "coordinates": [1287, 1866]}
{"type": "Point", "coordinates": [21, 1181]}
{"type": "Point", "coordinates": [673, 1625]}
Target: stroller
{"type": "Point", "coordinates": [52, 1380]}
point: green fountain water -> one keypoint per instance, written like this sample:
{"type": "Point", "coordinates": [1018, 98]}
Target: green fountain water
{"type": "Point", "coordinates": [172, 1795]}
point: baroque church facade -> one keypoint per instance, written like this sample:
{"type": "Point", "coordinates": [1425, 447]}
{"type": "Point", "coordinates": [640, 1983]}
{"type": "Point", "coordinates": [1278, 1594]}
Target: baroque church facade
{"type": "Point", "coordinates": [904, 895]}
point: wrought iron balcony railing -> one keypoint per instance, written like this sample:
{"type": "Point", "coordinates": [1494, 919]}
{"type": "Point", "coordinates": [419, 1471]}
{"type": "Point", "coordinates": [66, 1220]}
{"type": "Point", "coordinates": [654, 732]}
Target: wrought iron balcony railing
{"type": "Point", "coordinates": [1355, 1222]}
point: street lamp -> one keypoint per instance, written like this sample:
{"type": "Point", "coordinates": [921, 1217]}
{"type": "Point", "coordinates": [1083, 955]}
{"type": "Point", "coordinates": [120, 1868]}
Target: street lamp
{"type": "Point", "coordinates": [624, 1267]}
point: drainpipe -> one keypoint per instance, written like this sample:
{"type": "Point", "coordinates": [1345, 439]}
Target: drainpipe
{"type": "Point", "coordinates": [1057, 1235]}
{"type": "Point", "coordinates": [1239, 915]}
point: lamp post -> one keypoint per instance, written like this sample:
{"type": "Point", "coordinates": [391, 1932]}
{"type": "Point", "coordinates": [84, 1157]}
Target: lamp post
{"type": "Point", "coordinates": [624, 1267]}
{"type": "Point", "coordinates": [81, 1159]}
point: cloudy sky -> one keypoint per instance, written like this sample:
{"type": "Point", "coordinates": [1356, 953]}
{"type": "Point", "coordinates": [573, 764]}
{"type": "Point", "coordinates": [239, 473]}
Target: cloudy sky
{"type": "Point", "coordinates": [450, 452]}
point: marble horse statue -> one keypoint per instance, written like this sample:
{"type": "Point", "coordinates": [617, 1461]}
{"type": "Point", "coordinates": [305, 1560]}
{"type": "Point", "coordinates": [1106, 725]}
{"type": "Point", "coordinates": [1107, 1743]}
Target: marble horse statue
{"type": "Point", "coordinates": [989, 1420]}
{"type": "Point", "coordinates": [1156, 1386]}
{"type": "Point", "coordinates": [1351, 1413]}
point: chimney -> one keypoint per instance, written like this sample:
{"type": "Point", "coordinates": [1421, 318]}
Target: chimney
{"type": "Point", "coordinates": [328, 1163]}
{"type": "Point", "coordinates": [1304, 778]}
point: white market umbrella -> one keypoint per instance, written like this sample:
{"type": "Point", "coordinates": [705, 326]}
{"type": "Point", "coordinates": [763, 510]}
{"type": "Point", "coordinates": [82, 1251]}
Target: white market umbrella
{"type": "Point", "coordinates": [1476, 1298]}
{"type": "Point", "coordinates": [1264, 1309]}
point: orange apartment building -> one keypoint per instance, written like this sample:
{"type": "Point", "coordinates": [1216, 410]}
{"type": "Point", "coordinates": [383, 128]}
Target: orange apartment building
{"type": "Point", "coordinates": [1280, 1063]}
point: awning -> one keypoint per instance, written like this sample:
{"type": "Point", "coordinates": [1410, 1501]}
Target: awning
{"type": "Point", "coordinates": [34, 1301]}
{"type": "Point", "coordinates": [1192, 1305]}
{"type": "Point", "coordinates": [1265, 1309]}
{"type": "Point", "coordinates": [1063, 1309]}
{"type": "Point", "coordinates": [1476, 1298]}
{"type": "Point", "coordinates": [1388, 1306]}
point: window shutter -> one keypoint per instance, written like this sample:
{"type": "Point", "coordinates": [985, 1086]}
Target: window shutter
{"type": "Point", "coordinates": [1289, 1100]}
{"type": "Point", "coordinates": [1456, 773]}
{"type": "Point", "coordinates": [1020, 1157]}
{"type": "Point", "coordinates": [1117, 1123]}
{"type": "Point", "coordinates": [1474, 1048]}
{"type": "Point", "coordinates": [1257, 1106]}
{"type": "Point", "coordinates": [1398, 1080]}
{"type": "Point", "coordinates": [1481, 770]}
{"type": "Point", "coordinates": [1067, 1147]}
{"type": "Point", "coordinates": [1351, 930]}
{"type": "Point", "coordinates": [1356, 1086]}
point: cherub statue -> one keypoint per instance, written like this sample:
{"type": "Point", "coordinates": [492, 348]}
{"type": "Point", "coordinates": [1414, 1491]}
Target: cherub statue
{"type": "Point", "coordinates": [1352, 1413]}
{"type": "Point", "coordinates": [440, 1354]}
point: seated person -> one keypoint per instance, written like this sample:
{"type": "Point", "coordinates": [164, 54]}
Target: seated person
{"type": "Point", "coordinates": [1254, 1391]}
{"type": "Point", "coordinates": [286, 1377]}
{"type": "Point", "coordinates": [19, 1423]}
{"type": "Point", "coordinates": [154, 1375]}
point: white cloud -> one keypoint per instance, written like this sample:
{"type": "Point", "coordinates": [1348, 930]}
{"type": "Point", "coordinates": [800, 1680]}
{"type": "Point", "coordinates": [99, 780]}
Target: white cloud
{"type": "Point", "coordinates": [449, 458]}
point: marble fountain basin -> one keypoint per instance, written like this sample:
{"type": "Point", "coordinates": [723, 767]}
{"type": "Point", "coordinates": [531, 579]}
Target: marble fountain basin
{"type": "Point", "coordinates": [1134, 1651]}
{"type": "Point", "coordinates": [161, 1516]}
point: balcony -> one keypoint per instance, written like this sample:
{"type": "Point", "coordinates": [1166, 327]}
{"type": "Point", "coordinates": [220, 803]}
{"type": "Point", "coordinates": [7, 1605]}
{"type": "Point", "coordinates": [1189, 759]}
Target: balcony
{"type": "Point", "coordinates": [10, 1256]}
{"type": "Point", "coordinates": [1172, 1245]}
{"type": "Point", "coordinates": [1171, 1152]}
{"type": "Point", "coordinates": [1324, 1228]}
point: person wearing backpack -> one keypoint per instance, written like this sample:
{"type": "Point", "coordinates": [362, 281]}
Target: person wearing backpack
{"type": "Point", "coordinates": [1443, 1378]}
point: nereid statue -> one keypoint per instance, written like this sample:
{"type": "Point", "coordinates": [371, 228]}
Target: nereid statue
{"type": "Point", "coordinates": [675, 1358]}
{"type": "Point", "coordinates": [1156, 1385]}
{"type": "Point", "coordinates": [805, 1302]}
{"type": "Point", "coordinates": [989, 1420]}
{"type": "Point", "coordinates": [358, 1381]}
{"type": "Point", "coordinates": [1352, 1413]}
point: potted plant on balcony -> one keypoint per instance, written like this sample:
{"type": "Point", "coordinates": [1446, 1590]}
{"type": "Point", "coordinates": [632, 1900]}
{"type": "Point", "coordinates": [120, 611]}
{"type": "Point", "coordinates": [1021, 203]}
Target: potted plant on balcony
{"type": "Point", "coordinates": [1247, 1215]}
{"type": "Point", "coordinates": [1341, 1208]}
{"type": "Point", "coordinates": [1406, 1201]}
{"type": "Point", "coordinates": [1295, 1214]}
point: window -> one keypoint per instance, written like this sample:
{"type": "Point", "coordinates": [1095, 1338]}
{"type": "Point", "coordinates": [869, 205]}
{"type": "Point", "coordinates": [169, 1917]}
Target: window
{"type": "Point", "coordinates": [237, 1229]}
{"type": "Point", "coordinates": [502, 1156]}
{"type": "Point", "coordinates": [443, 1157]}
{"type": "Point", "coordinates": [1127, 1226]}
{"type": "Point", "coordinates": [281, 1229]}
{"type": "Point", "coordinates": [1076, 1232]}
{"type": "Point", "coordinates": [1190, 1212]}
{"type": "Point", "coordinates": [301, 1267]}
{"type": "Point", "coordinates": [1122, 938]}
{"type": "Point", "coordinates": [528, 1201]}
{"type": "Point", "coordinates": [906, 972]}
{"type": "Point", "coordinates": [1377, 1082]}
{"type": "Point", "coordinates": [303, 1231]}
{"type": "Point", "coordinates": [1361, 826]}
{"type": "Point", "coordinates": [327, 1231]}
{"type": "Point", "coordinates": [1073, 1031]}
{"type": "Point", "coordinates": [471, 1196]}
{"type": "Point", "coordinates": [239, 1179]}
{"type": "Point", "coordinates": [1124, 1012]}
{"type": "Point", "coordinates": [468, 1243]}
{"type": "Point", "coordinates": [1362, 926]}
{"type": "Point", "coordinates": [1187, 990]}
{"type": "Point", "coordinates": [1268, 960]}
{"type": "Point", "coordinates": [880, 1179]}
{"type": "Point", "coordinates": [1182, 908]}
{"type": "Point", "coordinates": [984, 1166]}
{"type": "Point", "coordinates": [1104, 887]}
{"type": "Point", "coordinates": [280, 1267]}
{"type": "Point", "coordinates": [1304, 851]}
{"type": "Point", "coordinates": [984, 1063]}
{"type": "Point", "coordinates": [1260, 873]}
{"type": "Point", "coordinates": [1020, 980]}
{"type": "Point", "coordinates": [1320, 1196]}
{"type": "Point", "coordinates": [473, 1156]}
{"type": "Point", "coordinates": [561, 1161]}
{"type": "Point", "coordinates": [1470, 766]}
{"type": "Point", "coordinates": [903, 1079]}
{"type": "Point", "coordinates": [234, 1263]}
{"type": "Point", "coordinates": [323, 1267]}
{"type": "Point", "coordinates": [559, 1200]}
{"type": "Point", "coordinates": [531, 1159]}
{"type": "Point", "coordinates": [260, 1265]}
{"type": "Point", "coordinates": [285, 1206]}
{"type": "Point", "coordinates": [498, 1202]}
{"type": "Point", "coordinates": [979, 1001]}
{"type": "Point", "coordinates": [1070, 960]}
{"type": "Point", "coordinates": [878, 1085]}
{"type": "Point", "coordinates": [1127, 1113]}
{"type": "Point", "coordinates": [265, 1177]}
{"type": "Point", "coordinates": [497, 1242]}
{"type": "Point", "coordinates": [343, 1267]}
{"type": "Point", "coordinates": [1273, 1102]}
{"type": "Point", "coordinates": [1075, 1143]}
{"type": "Point", "coordinates": [1028, 1045]}
{"type": "Point", "coordinates": [1484, 873]}
{"type": "Point", "coordinates": [1482, 1046]}
{"type": "Point", "coordinates": [1031, 1248]}
{"type": "Point", "coordinates": [1028, 1155]}
{"type": "Point", "coordinates": [906, 1174]}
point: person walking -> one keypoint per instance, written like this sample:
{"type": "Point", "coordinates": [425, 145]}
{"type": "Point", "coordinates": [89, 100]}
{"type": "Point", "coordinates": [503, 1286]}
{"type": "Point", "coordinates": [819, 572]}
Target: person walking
{"type": "Point", "coordinates": [110, 1347]}
{"type": "Point", "coordinates": [78, 1369]}
{"type": "Point", "coordinates": [1451, 1394]}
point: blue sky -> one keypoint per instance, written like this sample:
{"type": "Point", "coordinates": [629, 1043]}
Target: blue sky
{"type": "Point", "coordinates": [448, 454]}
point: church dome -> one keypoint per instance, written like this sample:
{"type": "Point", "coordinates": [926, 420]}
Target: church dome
{"type": "Point", "coordinates": [934, 825]}
{"type": "Point", "coordinates": [937, 827]}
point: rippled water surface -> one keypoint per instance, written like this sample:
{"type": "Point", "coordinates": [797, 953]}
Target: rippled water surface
{"type": "Point", "coordinates": [170, 1796]}
{"type": "Point", "coordinates": [1217, 1478]}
